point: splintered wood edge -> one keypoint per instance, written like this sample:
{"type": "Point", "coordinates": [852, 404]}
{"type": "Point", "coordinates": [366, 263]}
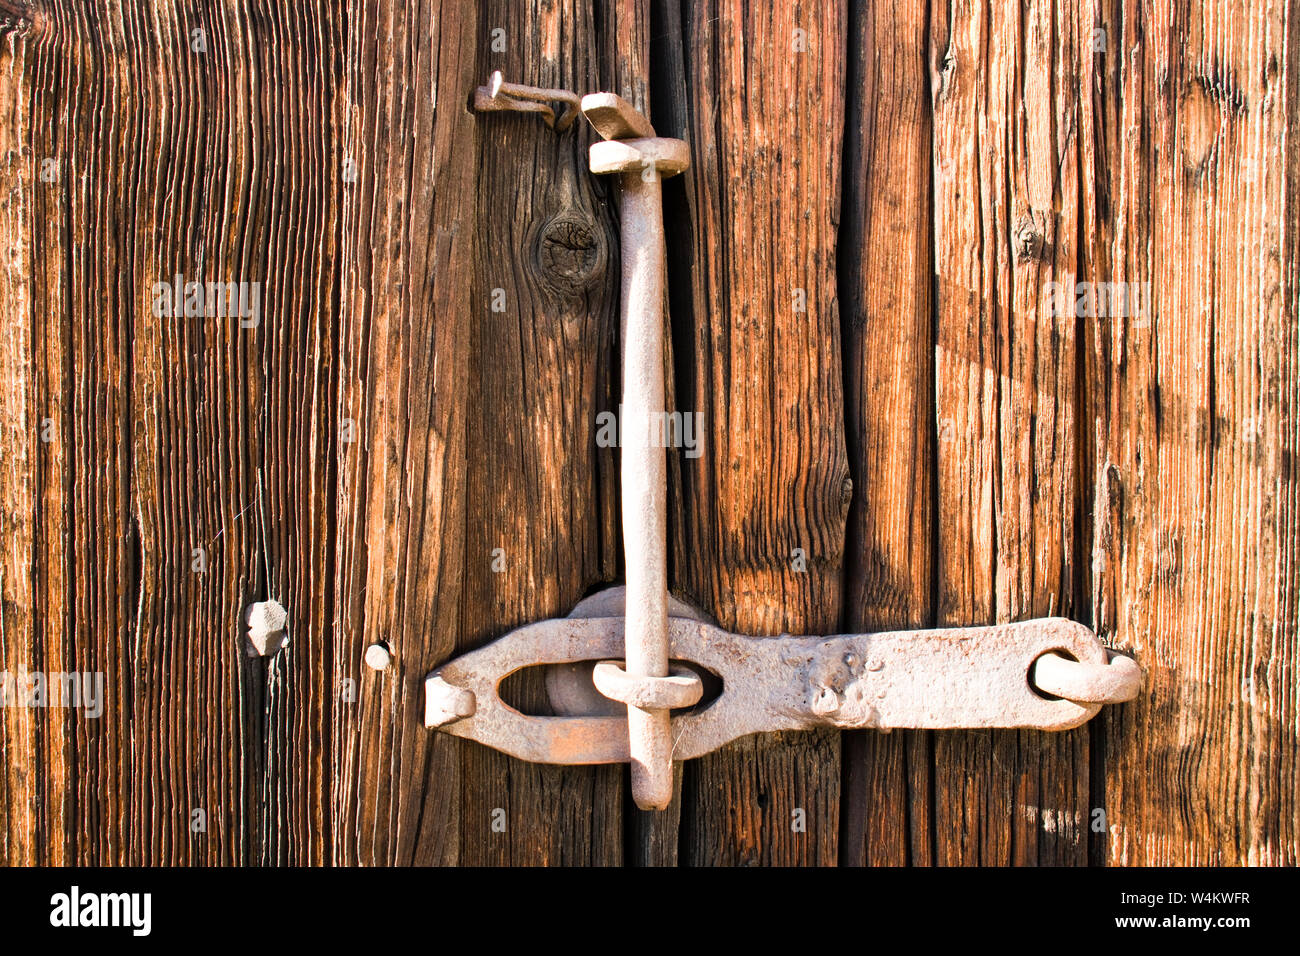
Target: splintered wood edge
{"type": "Point", "coordinates": [614, 117]}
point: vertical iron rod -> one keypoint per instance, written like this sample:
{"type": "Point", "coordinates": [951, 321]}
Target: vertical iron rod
{"type": "Point", "coordinates": [644, 480]}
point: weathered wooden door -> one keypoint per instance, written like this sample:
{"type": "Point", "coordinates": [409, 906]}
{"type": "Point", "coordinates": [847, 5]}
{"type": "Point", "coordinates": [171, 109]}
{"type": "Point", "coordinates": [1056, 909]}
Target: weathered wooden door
{"type": "Point", "coordinates": [901, 425]}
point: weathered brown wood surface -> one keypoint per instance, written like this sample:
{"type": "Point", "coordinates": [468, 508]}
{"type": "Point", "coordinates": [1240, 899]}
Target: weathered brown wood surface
{"type": "Point", "coordinates": [898, 430]}
{"type": "Point", "coordinates": [1005, 163]}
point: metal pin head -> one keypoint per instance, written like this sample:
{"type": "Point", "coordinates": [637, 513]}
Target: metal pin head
{"type": "Point", "coordinates": [378, 656]}
{"type": "Point", "coordinates": [266, 622]}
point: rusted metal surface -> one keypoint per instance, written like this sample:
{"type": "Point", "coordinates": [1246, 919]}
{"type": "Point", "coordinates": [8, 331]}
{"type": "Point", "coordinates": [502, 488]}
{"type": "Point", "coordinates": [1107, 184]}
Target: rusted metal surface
{"type": "Point", "coordinates": [444, 702]}
{"type": "Point", "coordinates": [668, 157]}
{"type": "Point", "coordinates": [615, 118]}
{"type": "Point", "coordinates": [645, 686]}
{"type": "Point", "coordinates": [972, 677]}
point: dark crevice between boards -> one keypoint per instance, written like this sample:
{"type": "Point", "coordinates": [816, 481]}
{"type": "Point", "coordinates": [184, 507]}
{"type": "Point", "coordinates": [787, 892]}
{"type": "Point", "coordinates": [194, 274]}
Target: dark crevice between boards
{"type": "Point", "coordinates": [1085, 609]}
{"type": "Point", "coordinates": [1086, 465]}
{"type": "Point", "coordinates": [851, 839]}
{"type": "Point", "coordinates": [255, 672]}
{"type": "Point", "coordinates": [932, 426]}
{"type": "Point", "coordinates": [917, 792]}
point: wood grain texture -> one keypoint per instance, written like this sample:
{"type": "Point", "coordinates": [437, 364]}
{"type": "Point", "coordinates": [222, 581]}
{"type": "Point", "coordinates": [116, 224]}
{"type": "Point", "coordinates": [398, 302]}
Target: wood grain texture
{"type": "Point", "coordinates": [886, 269]}
{"type": "Point", "coordinates": [26, 809]}
{"type": "Point", "coordinates": [765, 125]}
{"type": "Point", "coordinates": [1194, 486]}
{"type": "Point", "coordinates": [167, 471]}
{"type": "Point", "coordinates": [362, 451]}
{"type": "Point", "coordinates": [543, 368]}
{"type": "Point", "coordinates": [1005, 86]}
{"type": "Point", "coordinates": [406, 335]}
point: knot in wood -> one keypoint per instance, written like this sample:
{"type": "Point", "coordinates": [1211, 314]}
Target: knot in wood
{"type": "Point", "coordinates": [22, 18]}
{"type": "Point", "coordinates": [570, 252]}
{"type": "Point", "coordinates": [1029, 240]}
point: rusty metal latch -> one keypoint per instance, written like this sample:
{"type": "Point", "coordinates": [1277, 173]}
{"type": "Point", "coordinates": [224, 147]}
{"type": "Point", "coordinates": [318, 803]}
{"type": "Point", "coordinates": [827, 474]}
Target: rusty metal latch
{"type": "Point", "coordinates": [961, 677]}
{"type": "Point", "coordinates": [1049, 674]}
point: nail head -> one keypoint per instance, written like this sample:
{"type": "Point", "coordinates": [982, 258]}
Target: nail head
{"type": "Point", "coordinates": [378, 657]}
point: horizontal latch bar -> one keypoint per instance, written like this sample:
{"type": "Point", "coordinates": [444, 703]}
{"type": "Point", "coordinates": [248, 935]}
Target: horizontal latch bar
{"type": "Point", "coordinates": [964, 677]}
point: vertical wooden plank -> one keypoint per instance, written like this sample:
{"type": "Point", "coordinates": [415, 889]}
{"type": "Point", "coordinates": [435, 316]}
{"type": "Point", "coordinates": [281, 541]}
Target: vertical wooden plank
{"type": "Point", "coordinates": [169, 458]}
{"type": "Point", "coordinates": [1195, 495]}
{"type": "Point", "coordinates": [227, 411]}
{"type": "Point", "coordinates": [298, 53]}
{"type": "Point", "coordinates": [191, 479]}
{"type": "Point", "coordinates": [1004, 88]}
{"type": "Point", "coordinates": [886, 273]}
{"type": "Point", "coordinates": [540, 525]}
{"type": "Point", "coordinates": [405, 353]}
{"type": "Point", "coordinates": [24, 814]}
{"type": "Point", "coordinates": [230, 425]}
{"type": "Point", "coordinates": [760, 360]}
{"type": "Point", "coordinates": [74, 409]}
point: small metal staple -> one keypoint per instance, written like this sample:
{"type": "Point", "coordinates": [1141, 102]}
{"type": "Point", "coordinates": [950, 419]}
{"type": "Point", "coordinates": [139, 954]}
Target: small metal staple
{"type": "Point", "coordinates": [515, 97]}
{"type": "Point", "coordinates": [1118, 680]}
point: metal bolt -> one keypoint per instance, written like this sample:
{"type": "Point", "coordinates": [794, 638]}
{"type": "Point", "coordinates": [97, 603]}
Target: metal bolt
{"type": "Point", "coordinates": [378, 656]}
{"type": "Point", "coordinates": [266, 621]}
{"type": "Point", "coordinates": [632, 150]}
